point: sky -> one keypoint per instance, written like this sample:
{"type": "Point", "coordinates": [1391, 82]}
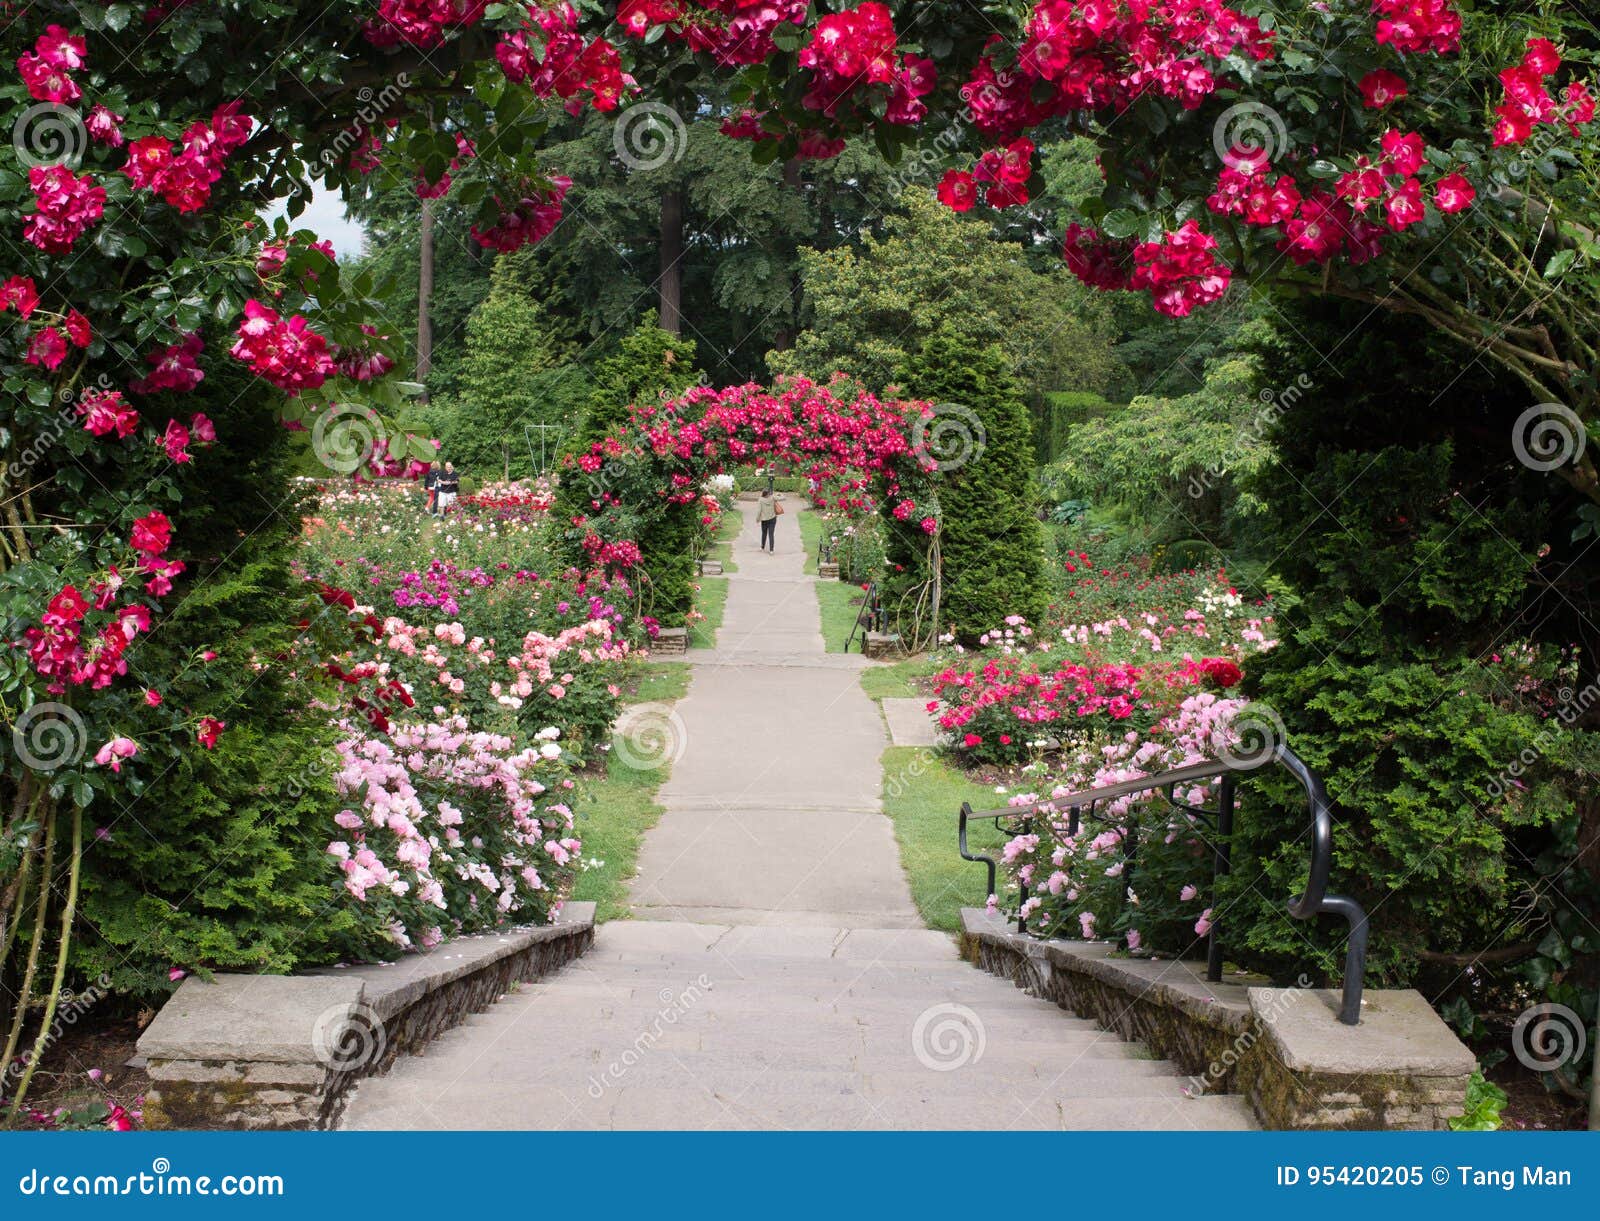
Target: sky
{"type": "Point", "coordinates": [325, 217]}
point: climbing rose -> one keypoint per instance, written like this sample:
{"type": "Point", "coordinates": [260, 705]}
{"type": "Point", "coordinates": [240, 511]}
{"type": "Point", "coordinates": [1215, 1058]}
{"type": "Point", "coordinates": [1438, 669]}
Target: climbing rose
{"type": "Point", "coordinates": [19, 293]}
{"type": "Point", "coordinates": [209, 731]}
{"type": "Point", "coordinates": [66, 205]}
{"type": "Point", "coordinates": [105, 412]}
{"type": "Point", "coordinates": [152, 533]}
{"type": "Point", "coordinates": [1453, 193]}
{"type": "Point", "coordinates": [47, 348]}
{"type": "Point", "coordinates": [957, 191]}
{"type": "Point", "coordinates": [115, 751]}
{"type": "Point", "coordinates": [1380, 87]}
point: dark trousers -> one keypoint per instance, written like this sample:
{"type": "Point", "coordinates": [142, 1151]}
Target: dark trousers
{"type": "Point", "coordinates": [769, 534]}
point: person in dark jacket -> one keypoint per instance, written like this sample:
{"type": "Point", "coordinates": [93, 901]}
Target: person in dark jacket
{"type": "Point", "coordinates": [430, 488]}
{"type": "Point", "coordinates": [449, 486]}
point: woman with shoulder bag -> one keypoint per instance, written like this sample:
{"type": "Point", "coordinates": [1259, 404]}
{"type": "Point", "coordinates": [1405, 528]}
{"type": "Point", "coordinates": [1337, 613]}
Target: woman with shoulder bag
{"type": "Point", "coordinates": [768, 509]}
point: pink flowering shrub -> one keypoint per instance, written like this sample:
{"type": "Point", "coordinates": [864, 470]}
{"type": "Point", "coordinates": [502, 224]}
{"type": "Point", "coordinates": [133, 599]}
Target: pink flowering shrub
{"type": "Point", "coordinates": [452, 831]}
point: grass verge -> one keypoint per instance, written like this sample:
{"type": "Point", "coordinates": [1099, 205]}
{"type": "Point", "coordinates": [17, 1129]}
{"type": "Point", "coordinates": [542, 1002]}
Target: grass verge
{"type": "Point", "coordinates": [896, 680]}
{"type": "Point", "coordinates": [921, 794]}
{"type": "Point", "coordinates": [712, 603]}
{"type": "Point", "coordinates": [722, 546]}
{"type": "Point", "coordinates": [839, 604]}
{"type": "Point", "coordinates": [616, 809]}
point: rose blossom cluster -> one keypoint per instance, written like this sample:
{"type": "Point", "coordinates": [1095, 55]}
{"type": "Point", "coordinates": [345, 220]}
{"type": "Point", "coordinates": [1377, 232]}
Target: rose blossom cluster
{"type": "Point", "coordinates": [1102, 55]}
{"type": "Point", "coordinates": [532, 218]}
{"type": "Point", "coordinates": [66, 204]}
{"type": "Point", "coordinates": [47, 69]}
{"type": "Point", "coordinates": [420, 23]}
{"type": "Point", "coordinates": [286, 352]}
{"type": "Point", "coordinates": [1180, 271]}
{"type": "Point", "coordinates": [730, 31]}
{"type": "Point", "coordinates": [184, 178]}
{"type": "Point", "coordinates": [58, 648]}
{"type": "Point", "coordinates": [1527, 101]}
{"type": "Point", "coordinates": [174, 367]}
{"type": "Point", "coordinates": [1005, 171]}
{"type": "Point", "coordinates": [856, 48]}
{"type": "Point", "coordinates": [559, 63]}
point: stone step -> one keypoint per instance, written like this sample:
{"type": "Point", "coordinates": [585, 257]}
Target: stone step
{"type": "Point", "coordinates": [390, 1104]}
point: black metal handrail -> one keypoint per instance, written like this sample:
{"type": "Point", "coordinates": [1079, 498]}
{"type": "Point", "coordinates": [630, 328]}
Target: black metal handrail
{"type": "Point", "coordinates": [1313, 902]}
{"type": "Point", "coordinates": [869, 617]}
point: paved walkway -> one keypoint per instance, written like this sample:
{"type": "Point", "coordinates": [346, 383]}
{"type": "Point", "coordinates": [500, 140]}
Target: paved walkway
{"type": "Point", "coordinates": [778, 975]}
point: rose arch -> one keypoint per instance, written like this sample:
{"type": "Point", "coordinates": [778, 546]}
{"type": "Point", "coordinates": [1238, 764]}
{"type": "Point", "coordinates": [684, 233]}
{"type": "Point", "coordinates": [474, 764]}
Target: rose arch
{"type": "Point", "coordinates": [631, 499]}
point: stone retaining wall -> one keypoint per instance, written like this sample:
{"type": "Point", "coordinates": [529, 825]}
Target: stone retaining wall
{"type": "Point", "coordinates": [1283, 1048]}
{"type": "Point", "coordinates": [281, 1052]}
{"type": "Point", "coordinates": [670, 642]}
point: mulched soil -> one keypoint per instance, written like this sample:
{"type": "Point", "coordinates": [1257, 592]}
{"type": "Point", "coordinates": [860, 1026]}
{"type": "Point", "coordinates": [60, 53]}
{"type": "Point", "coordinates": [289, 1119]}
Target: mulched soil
{"type": "Point", "coordinates": [62, 1081]}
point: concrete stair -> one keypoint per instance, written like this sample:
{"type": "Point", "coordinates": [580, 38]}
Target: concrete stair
{"type": "Point", "coordinates": [676, 1025]}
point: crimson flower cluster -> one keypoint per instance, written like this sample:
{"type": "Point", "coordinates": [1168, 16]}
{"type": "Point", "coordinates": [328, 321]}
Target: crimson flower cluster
{"type": "Point", "coordinates": [532, 218]}
{"type": "Point", "coordinates": [184, 178]}
{"type": "Point", "coordinates": [1180, 271]}
{"type": "Point", "coordinates": [1006, 172]}
{"type": "Point", "coordinates": [858, 47]}
{"type": "Point", "coordinates": [1102, 55]}
{"type": "Point", "coordinates": [286, 352]}
{"type": "Point", "coordinates": [62, 648]}
{"type": "Point", "coordinates": [1418, 25]}
{"type": "Point", "coordinates": [732, 32]}
{"type": "Point", "coordinates": [174, 367]}
{"type": "Point", "coordinates": [66, 204]}
{"type": "Point", "coordinates": [420, 23]}
{"type": "Point", "coordinates": [47, 69]}
{"type": "Point", "coordinates": [1527, 102]}
{"type": "Point", "coordinates": [564, 65]}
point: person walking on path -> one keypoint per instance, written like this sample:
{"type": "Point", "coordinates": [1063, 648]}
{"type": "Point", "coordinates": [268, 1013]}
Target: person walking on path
{"type": "Point", "coordinates": [768, 509]}
{"type": "Point", "coordinates": [449, 485]}
{"type": "Point", "coordinates": [430, 489]}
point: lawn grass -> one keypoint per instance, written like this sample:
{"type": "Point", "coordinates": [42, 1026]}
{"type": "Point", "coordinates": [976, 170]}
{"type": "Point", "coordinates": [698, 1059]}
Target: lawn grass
{"type": "Point", "coordinates": [921, 795]}
{"type": "Point", "coordinates": [881, 682]}
{"type": "Point", "coordinates": [839, 604]}
{"type": "Point", "coordinates": [722, 546]}
{"type": "Point", "coordinates": [712, 603]}
{"type": "Point", "coordinates": [615, 810]}
{"type": "Point", "coordinates": [810, 535]}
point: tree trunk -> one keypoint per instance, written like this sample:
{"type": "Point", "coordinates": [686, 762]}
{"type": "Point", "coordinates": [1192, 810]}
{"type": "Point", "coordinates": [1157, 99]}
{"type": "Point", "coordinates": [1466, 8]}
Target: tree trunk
{"type": "Point", "coordinates": [671, 283]}
{"type": "Point", "coordinates": [424, 296]}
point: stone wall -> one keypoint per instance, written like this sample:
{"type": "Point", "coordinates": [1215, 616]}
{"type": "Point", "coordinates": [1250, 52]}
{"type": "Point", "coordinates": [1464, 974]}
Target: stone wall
{"type": "Point", "coordinates": [281, 1052]}
{"type": "Point", "coordinates": [882, 644]}
{"type": "Point", "coordinates": [1282, 1048]}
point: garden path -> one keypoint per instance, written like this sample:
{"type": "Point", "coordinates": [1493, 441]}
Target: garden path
{"type": "Point", "coordinates": [778, 975]}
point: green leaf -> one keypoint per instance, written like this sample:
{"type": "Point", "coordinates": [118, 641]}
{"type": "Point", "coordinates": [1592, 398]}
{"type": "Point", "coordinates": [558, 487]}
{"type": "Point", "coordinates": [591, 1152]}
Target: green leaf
{"type": "Point", "coordinates": [1559, 262]}
{"type": "Point", "coordinates": [1121, 222]}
